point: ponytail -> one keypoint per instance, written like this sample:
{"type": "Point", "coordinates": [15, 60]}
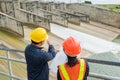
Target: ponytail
{"type": "Point", "coordinates": [72, 61]}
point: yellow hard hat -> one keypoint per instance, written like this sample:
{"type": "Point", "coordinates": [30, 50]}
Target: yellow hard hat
{"type": "Point", "coordinates": [38, 35]}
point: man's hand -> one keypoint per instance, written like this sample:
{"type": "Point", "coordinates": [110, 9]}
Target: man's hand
{"type": "Point", "coordinates": [56, 51]}
{"type": "Point", "coordinates": [49, 42]}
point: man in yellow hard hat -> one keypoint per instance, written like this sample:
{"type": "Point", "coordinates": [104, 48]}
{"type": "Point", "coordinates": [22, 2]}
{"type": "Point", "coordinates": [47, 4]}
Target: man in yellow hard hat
{"type": "Point", "coordinates": [36, 58]}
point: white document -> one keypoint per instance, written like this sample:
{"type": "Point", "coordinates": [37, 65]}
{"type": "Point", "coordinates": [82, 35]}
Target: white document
{"type": "Point", "coordinates": [60, 58]}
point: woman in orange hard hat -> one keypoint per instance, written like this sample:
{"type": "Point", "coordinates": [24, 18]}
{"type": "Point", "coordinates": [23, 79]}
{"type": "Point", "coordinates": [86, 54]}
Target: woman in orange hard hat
{"type": "Point", "coordinates": [36, 58]}
{"type": "Point", "coordinates": [73, 69]}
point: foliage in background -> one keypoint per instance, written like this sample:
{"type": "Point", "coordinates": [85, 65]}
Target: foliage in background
{"type": "Point", "coordinates": [115, 8]}
{"type": "Point", "coordinates": [88, 2]}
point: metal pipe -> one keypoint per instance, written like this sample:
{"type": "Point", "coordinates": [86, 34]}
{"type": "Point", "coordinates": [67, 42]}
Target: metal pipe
{"type": "Point", "coordinates": [9, 64]}
{"type": "Point", "coordinates": [105, 77]}
{"type": "Point", "coordinates": [11, 59]}
{"type": "Point", "coordinates": [103, 62]}
{"type": "Point", "coordinates": [15, 77]}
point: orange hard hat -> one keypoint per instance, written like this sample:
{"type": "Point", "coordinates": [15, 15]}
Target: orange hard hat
{"type": "Point", "coordinates": [71, 46]}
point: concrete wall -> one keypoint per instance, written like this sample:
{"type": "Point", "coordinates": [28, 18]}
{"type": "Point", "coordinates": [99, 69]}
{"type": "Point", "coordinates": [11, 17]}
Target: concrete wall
{"type": "Point", "coordinates": [9, 7]}
{"type": "Point", "coordinates": [32, 18]}
{"type": "Point", "coordinates": [32, 6]}
{"type": "Point", "coordinates": [11, 24]}
{"type": "Point", "coordinates": [98, 14]}
{"type": "Point", "coordinates": [40, 8]}
{"type": "Point", "coordinates": [12, 9]}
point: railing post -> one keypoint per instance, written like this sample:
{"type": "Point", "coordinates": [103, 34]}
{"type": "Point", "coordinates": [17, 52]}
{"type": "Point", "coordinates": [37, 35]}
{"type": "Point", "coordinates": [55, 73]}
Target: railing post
{"type": "Point", "coordinates": [9, 64]}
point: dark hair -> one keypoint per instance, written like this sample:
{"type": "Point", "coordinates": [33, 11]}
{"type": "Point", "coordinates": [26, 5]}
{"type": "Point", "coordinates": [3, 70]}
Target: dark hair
{"type": "Point", "coordinates": [72, 61]}
{"type": "Point", "coordinates": [34, 42]}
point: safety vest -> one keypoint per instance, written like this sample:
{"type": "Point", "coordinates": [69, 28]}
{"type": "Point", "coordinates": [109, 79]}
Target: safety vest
{"type": "Point", "coordinates": [77, 72]}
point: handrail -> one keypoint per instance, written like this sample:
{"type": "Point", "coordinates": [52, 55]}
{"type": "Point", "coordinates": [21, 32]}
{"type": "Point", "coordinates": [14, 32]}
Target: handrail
{"type": "Point", "coordinates": [50, 12]}
{"type": "Point", "coordinates": [12, 59]}
{"type": "Point", "coordinates": [66, 12]}
{"type": "Point", "coordinates": [103, 62]}
{"type": "Point", "coordinates": [81, 17]}
{"type": "Point", "coordinates": [9, 17]}
{"type": "Point", "coordinates": [99, 76]}
{"type": "Point", "coordinates": [6, 0]}
{"type": "Point", "coordinates": [14, 50]}
{"type": "Point", "coordinates": [11, 76]}
{"type": "Point", "coordinates": [105, 77]}
{"type": "Point", "coordinates": [31, 13]}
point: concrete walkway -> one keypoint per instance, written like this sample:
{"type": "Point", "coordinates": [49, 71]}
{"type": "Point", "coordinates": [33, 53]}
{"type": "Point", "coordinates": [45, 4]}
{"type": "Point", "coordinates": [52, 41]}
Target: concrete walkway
{"type": "Point", "coordinates": [97, 29]}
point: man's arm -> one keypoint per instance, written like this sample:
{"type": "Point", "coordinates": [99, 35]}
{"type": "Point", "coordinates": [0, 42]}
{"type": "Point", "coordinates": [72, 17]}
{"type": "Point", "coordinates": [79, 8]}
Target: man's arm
{"type": "Point", "coordinates": [51, 52]}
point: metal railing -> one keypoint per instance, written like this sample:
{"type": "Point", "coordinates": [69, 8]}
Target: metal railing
{"type": "Point", "coordinates": [103, 62]}
{"type": "Point", "coordinates": [10, 73]}
{"type": "Point", "coordinates": [11, 76]}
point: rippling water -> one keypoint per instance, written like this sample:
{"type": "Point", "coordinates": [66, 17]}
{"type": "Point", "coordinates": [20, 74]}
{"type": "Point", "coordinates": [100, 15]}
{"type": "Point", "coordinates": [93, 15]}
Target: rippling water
{"type": "Point", "coordinates": [117, 40]}
{"type": "Point", "coordinates": [106, 69]}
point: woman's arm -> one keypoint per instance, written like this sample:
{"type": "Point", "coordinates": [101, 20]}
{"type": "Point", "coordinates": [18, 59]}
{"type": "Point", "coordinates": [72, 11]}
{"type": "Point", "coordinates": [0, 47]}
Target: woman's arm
{"type": "Point", "coordinates": [87, 70]}
{"type": "Point", "coordinates": [58, 75]}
